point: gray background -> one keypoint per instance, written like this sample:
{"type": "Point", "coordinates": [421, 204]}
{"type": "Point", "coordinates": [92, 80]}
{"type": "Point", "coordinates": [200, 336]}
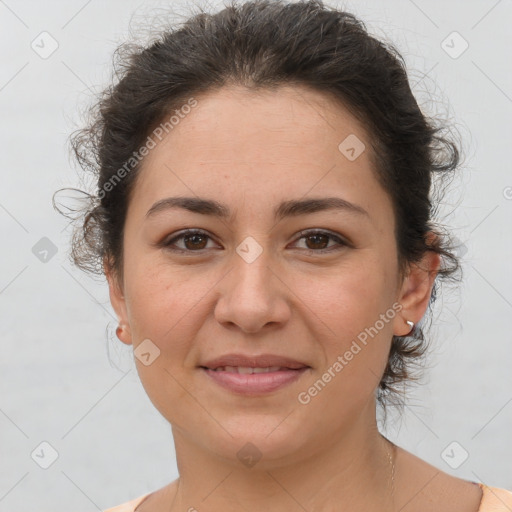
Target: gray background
{"type": "Point", "coordinates": [57, 382]}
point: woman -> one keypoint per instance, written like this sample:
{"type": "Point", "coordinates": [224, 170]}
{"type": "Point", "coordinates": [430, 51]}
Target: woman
{"type": "Point", "coordinates": [264, 220]}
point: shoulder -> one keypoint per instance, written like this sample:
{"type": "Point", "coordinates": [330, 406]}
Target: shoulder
{"type": "Point", "coordinates": [128, 506]}
{"type": "Point", "coordinates": [495, 499]}
{"type": "Point", "coordinates": [422, 486]}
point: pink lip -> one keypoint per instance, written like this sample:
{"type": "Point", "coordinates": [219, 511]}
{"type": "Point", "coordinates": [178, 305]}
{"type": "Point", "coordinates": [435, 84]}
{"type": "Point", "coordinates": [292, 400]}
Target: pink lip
{"type": "Point", "coordinates": [256, 383]}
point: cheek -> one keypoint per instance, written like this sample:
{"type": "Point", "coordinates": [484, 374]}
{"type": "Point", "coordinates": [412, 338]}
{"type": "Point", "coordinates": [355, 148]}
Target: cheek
{"type": "Point", "coordinates": [161, 304]}
{"type": "Point", "coordinates": [355, 310]}
{"type": "Point", "coordinates": [353, 295]}
{"type": "Point", "coordinates": [162, 310]}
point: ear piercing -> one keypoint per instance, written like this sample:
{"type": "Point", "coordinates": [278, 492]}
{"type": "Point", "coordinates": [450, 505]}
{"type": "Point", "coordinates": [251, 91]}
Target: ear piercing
{"type": "Point", "coordinates": [411, 325]}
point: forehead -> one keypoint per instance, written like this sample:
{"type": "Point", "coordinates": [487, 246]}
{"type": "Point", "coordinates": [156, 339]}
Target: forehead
{"type": "Point", "coordinates": [270, 144]}
{"type": "Point", "coordinates": [263, 121]}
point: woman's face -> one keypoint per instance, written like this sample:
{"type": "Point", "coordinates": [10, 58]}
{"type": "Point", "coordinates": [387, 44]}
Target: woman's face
{"type": "Point", "coordinates": [251, 283]}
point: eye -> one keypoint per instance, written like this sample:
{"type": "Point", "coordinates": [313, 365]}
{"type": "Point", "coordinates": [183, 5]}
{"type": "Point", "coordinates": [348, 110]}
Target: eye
{"type": "Point", "coordinates": [193, 239]}
{"type": "Point", "coordinates": [319, 239]}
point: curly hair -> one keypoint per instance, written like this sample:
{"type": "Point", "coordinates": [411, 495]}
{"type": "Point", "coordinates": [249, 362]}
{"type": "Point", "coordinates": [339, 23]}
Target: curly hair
{"type": "Point", "coordinates": [262, 44]}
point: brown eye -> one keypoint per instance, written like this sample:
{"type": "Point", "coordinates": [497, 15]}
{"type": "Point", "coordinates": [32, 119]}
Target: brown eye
{"type": "Point", "coordinates": [318, 241]}
{"type": "Point", "coordinates": [195, 241]}
{"type": "Point", "coordinates": [192, 241]}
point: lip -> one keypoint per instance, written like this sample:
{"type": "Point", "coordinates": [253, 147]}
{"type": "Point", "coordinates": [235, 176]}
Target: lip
{"type": "Point", "coordinates": [289, 371]}
{"type": "Point", "coordinates": [254, 361]}
{"type": "Point", "coordinates": [256, 383]}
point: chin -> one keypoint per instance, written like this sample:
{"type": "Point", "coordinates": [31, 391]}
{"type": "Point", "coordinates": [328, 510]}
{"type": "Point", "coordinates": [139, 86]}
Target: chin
{"type": "Point", "coordinates": [263, 443]}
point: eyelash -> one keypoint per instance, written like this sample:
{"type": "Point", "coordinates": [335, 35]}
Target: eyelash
{"type": "Point", "coordinates": [303, 234]}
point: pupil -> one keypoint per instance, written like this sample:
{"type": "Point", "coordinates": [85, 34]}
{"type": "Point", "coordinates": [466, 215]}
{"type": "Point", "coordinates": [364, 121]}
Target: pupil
{"type": "Point", "coordinates": [194, 237]}
{"type": "Point", "coordinates": [316, 237]}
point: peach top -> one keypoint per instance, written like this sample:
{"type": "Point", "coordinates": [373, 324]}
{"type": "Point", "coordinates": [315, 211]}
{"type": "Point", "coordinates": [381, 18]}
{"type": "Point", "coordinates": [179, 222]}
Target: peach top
{"type": "Point", "coordinates": [494, 499]}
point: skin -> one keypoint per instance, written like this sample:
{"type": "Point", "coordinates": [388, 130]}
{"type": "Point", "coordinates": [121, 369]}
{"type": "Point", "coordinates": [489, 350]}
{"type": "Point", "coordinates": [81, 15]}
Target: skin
{"type": "Point", "coordinates": [251, 151]}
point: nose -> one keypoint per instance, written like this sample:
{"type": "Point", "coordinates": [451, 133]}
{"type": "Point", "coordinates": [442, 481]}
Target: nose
{"type": "Point", "coordinates": [253, 296]}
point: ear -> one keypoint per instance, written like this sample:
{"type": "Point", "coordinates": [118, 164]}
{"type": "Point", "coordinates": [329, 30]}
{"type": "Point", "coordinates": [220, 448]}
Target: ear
{"type": "Point", "coordinates": [118, 301]}
{"type": "Point", "coordinates": [416, 290]}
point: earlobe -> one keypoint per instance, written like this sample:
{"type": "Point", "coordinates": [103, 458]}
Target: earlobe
{"type": "Point", "coordinates": [416, 292]}
{"type": "Point", "coordinates": [123, 334]}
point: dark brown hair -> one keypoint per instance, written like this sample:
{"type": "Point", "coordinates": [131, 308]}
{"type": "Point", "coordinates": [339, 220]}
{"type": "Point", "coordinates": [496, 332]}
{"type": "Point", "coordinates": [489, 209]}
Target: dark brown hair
{"type": "Point", "coordinates": [263, 44]}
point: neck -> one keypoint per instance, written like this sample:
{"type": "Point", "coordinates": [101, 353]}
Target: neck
{"type": "Point", "coordinates": [350, 471]}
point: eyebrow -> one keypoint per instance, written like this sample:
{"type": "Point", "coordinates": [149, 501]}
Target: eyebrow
{"type": "Point", "coordinates": [290, 208]}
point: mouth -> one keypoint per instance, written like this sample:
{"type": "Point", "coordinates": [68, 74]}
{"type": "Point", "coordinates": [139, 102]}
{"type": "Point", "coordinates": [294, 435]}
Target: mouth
{"type": "Point", "coordinates": [253, 381]}
{"type": "Point", "coordinates": [253, 375]}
